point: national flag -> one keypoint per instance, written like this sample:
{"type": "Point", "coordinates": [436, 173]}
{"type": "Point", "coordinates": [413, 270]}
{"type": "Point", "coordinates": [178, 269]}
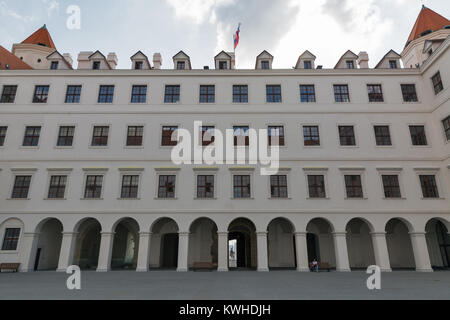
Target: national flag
{"type": "Point", "coordinates": [236, 37]}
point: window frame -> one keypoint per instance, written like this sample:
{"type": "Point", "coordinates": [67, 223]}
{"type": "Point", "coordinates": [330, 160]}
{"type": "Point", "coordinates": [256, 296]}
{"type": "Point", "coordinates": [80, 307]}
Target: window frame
{"type": "Point", "coordinates": [161, 136]}
{"type": "Point", "coordinates": [13, 188]}
{"type": "Point", "coordinates": [76, 86]}
{"type": "Point", "coordinates": [308, 94]}
{"type": "Point", "coordinates": [375, 97]}
{"type": "Point", "coordinates": [3, 137]}
{"type": "Point", "coordinates": [282, 138]}
{"type": "Point", "coordinates": [158, 185]}
{"type": "Point", "coordinates": [140, 94]}
{"type": "Point", "coordinates": [392, 172]}
{"type": "Point", "coordinates": [23, 146]}
{"type": "Point", "coordinates": [305, 145]}
{"type": "Point", "coordinates": [97, 172]}
{"type": "Point", "coordinates": [58, 136]}
{"type": "Point", "coordinates": [14, 249]}
{"type": "Point", "coordinates": [404, 85]}
{"type": "Point", "coordinates": [317, 172]}
{"type": "Point", "coordinates": [208, 94]}
{"type": "Point", "coordinates": [427, 143]}
{"type": "Point", "coordinates": [35, 94]}
{"type": "Point", "coordinates": [107, 94]}
{"type": "Point", "coordinates": [339, 126]}
{"type": "Point", "coordinates": [9, 94]}
{"type": "Point", "coordinates": [123, 172]}
{"type": "Point", "coordinates": [391, 145]}
{"type": "Point", "coordinates": [240, 94]}
{"type": "Point", "coordinates": [281, 173]}
{"type": "Point", "coordinates": [236, 139]}
{"type": "Point", "coordinates": [272, 86]}
{"type": "Point", "coordinates": [438, 86]}
{"type": "Point", "coordinates": [103, 126]}
{"type": "Point", "coordinates": [171, 94]}
{"type": "Point", "coordinates": [127, 136]}
{"type": "Point", "coordinates": [446, 130]}
{"type": "Point", "coordinates": [341, 93]}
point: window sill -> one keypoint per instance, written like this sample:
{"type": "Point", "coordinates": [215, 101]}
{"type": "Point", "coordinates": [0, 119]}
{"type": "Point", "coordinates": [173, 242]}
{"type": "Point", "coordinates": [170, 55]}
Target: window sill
{"type": "Point", "coordinates": [9, 252]}
{"type": "Point", "coordinates": [394, 198]}
{"type": "Point", "coordinates": [128, 199]}
{"type": "Point", "coordinates": [318, 198]}
{"type": "Point", "coordinates": [16, 199]}
{"type": "Point", "coordinates": [63, 148]}
{"type": "Point", "coordinates": [165, 199]}
{"type": "Point", "coordinates": [134, 147]}
{"type": "Point", "coordinates": [431, 199]}
{"type": "Point", "coordinates": [356, 199]}
{"type": "Point", "coordinates": [205, 199]}
{"type": "Point", "coordinates": [98, 147]}
{"type": "Point", "coordinates": [282, 199]}
{"type": "Point", "coordinates": [92, 199]}
{"type": "Point", "coordinates": [28, 148]}
{"type": "Point", "coordinates": [243, 198]}
{"type": "Point", "coordinates": [55, 199]}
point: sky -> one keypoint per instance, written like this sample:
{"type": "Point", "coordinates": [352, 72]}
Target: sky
{"type": "Point", "coordinates": [203, 28]}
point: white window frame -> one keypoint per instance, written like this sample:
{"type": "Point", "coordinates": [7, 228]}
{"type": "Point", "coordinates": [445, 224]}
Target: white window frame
{"type": "Point", "coordinates": [94, 172]}
{"type": "Point", "coordinates": [317, 172]}
{"type": "Point", "coordinates": [57, 172]}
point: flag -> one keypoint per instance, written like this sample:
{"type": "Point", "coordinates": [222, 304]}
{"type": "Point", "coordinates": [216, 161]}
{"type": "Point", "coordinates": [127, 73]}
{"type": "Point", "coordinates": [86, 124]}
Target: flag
{"type": "Point", "coordinates": [236, 37]}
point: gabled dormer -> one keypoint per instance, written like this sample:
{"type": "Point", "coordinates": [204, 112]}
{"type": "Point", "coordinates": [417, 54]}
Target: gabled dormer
{"type": "Point", "coordinates": [224, 61]}
{"type": "Point", "coordinates": [391, 60]}
{"type": "Point", "coordinates": [57, 61]}
{"type": "Point", "coordinates": [306, 61]}
{"type": "Point", "coordinates": [96, 61]}
{"type": "Point", "coordinates": [139, 61]}
{"type": "Point", "coordinates": [181, 61]}
{"type": "Point", "coordinates": [348, 61]}
{"type": "Point", "coordinates": [264, 61]}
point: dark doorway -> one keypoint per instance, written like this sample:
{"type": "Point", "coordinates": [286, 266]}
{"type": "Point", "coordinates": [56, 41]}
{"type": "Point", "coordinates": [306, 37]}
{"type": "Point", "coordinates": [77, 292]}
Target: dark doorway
{"type": "Point", "coordinates": [38, 257]}
{"type": "Point", "coordinates": [169, 250]}
{"type": "Point", "coordinates": [244, 260]}
{"type": "Point", "coordinates": [444, 243]}
{"type": "Point", "coordinates": [313, 252]}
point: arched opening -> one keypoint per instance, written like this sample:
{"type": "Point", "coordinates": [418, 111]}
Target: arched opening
{"type": "Point", "coordinates": [126, 245]}
{"type": "Point", "coordinates": [281, 244]}
{"type": "Point", "coordinates": [164, 244]}
{"type": "Point", "coordinates": [438, 241]}
{"type": "Point", "coordinates": [203, 243]}
{"type": "Point", "coordinates": [320, 242]}
{"type": "Point", "coordinates": [359, 244]}
{"type": "Point", "coordinates": [242, 252]}
{"type": "Point", "coordinates": [399, 245]}
{"type": "Point", "coordinates": [87, 247]}
{"type": "Point", "coordinates": [48, 245]}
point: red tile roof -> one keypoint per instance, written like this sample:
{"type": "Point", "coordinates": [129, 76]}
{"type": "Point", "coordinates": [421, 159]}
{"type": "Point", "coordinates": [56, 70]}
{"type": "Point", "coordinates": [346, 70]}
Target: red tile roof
{"type": "Point", "coordinates": [427, 20]}
{"type": "Point", "coordinates": [41, 37]}
{"type": "Point", "coordinates": [10, 60]}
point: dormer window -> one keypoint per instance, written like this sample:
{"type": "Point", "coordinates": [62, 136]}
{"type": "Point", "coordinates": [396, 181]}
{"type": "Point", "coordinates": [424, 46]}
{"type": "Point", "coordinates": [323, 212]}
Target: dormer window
{"type": "Point", "coordinates": [138, 65]}
{"type": "Point", "coordinates": [350, 64]}
{"type": "Point", "coordinates": [181, 65]}
{"type": "Point", "coordinates": [54, 65]}
{"type": "Point", "coordinates": [223, 65]}
{"type": "Point", "coordinates": [307, 64]}
{"type": "Point", "coordinates": [265, 65]}
{"type": "Point", "coordinates": [393, 64]}
{"type": "Point", "coordinates": [96, 65]}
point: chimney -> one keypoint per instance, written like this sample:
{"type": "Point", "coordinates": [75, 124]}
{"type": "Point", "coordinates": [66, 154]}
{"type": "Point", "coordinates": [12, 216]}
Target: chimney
{"type": "Point", "coordinates": [157, 61]}
{"type": "Point", "coordinates": [363, 60]}
{"type": "Point", "coordinates": [112, 60]}
{"type": "Point", "coordinates": [68, 58]}
{"type": "Point", "coordinates": [83, 60]}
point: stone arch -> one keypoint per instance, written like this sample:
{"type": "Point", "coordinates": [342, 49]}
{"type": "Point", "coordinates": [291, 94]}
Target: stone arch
{"type": "Point", "coordinates": [438, 243]}
{"type": "Point", "coordinates": [203, 242]}
{"type": "Point", "coordinates": [125, 244]}
{"type": "Point", "coordinates": [320, 241]}
{"type": "Point", "coordinates": [281, 244]}
{"type": "Point", "coordinates": [360, 248]}
{"type": "Point", "coordinates": [399, 244]}
{"type": "Point", "coordinates": [87, 246]}
{"type": "Point", "coordinates": [242, 244]}
{"type": "Point", "coordinates": [164, 244]}
{"type": "Point", "coordinates": [48, 244]}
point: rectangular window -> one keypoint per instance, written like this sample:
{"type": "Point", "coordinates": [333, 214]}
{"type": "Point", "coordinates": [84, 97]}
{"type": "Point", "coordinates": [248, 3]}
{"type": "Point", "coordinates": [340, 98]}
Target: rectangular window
{"type": "Point", "coordinates": [316, 185]}
{"type": "Point", "coordinates": [138, 65]}
{"type": "Point", "coordinates": [223, 65]}
{"type": "Point", "coordinates": [307, 65]}
{"type": "Point", "coordinates": [135, 136]}
{"type": "Point", "coordinates": [32, 135]}
{"type": "Point", "coordinates": [273, 93]}
{"type": "Point", "coordinates": [130, 187]}
{"type": "Point", "coordinates": [96, 65]}
{"type": "Point", "coordinates": [240, 94]}
{"type": "Point", "coordinates": [276, 132]}
{"type": "Point", "coordinates": [418, 136]}
{"type": "Point", "coordinates": [21, 187]}
{"type": "Point", "coordinates": [350, 64]}
{"type": "Point", "coordinates": [139, 94]}
{"type": "Point", "coordinates": [347, 136]}
{"type": "Point", "coordinates": [341, 93]}
{"type": "Point", "coordinates": [93, 187]}
{"type": "Point", "coordinates": [54, 65]}
{"type": "Point", "coordinates": [172, 94]}
{"type": "Point", "coordinates": [166, 188]}
{"type": "Point", "coordinates": [265, 65]}
{"type": "Point", "coordinates": [383, 136]}
{"type": "Point", "coordinates": [207, 94]}
{"type": "Point", "coordinates": [241, 187]}
{"type": "Point", "coordinates": [391, 186]}
{"type": "Point", "coordinates": [446, 123]}
{"type": "Point", "coordinates": [429, 187]}
{"type": "Point", "coordinates": [437, 83]}
{"type": "Point", "coordinates": [167, 133]}
{"type": "Point", "coordinates": [11, 239]}
{"type": "Point", "coordinates": [375, 93]}
{"type": "Point", "coordinates": [106, 94]}
{"type": "Point", "coordinates": [409, 93]}
{"type": "Point", "coordinates": [307, 93]}
{"type": "Point", "coordinates": [207, 135]}
{"type": "Point", "coordinates": [181, 65]}
{"type": "Point", "coordinates": [41, 94]}
{"type": "Point", "coordinates": [278, 186]}
{"type": "Point", "coordinates": [311, 136]}
{"type": "Point", "coordinates": [57, 188]}
{"type": "Point", "coordinates": [73, 94]}
{"type": "Point", "coordinates": [241, 136]}
{"type": "Point", "coordinates": [65, 136]}
{"type": "Point", "coordinates": [100, 136]}
{"type": "Point", "coordinates": [205, 187]}
{"type": "Point", "coordinates": [393, 64]}
{"type": "Point", "coordinates": [353, 185]}
{"type": "Point", "coordinates": [3, 131]}
{"type": "Point", "coordinates": [8, 94]}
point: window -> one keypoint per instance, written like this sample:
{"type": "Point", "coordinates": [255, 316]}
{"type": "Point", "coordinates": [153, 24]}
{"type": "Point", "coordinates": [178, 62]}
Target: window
{"type": "Point", "coordinates": [135, 136]}
{"type": "Point", "coordinates": [32, 135]}
{"type": "Point", "coordinates": [418, 136]}
{"type": "Point", "coordinates": [223, 65]}
{"type": "Point", "coordinates": [350, 64]}
{"type": "Point", "coordinates": [130, 187]}
{"type": "Point", "coordinates": [383, 136]}
{"type": "Point", "coordinates": [240, 94]}
{"type": "Point", "coordinates": [273, 93]}
{"type": "Point", "coordinates": [437, 83]}
{"type": "Point", "coordinates": [207, 94]}
{"type": "Point", "coordinates": [409, 93]}
{"type": "Point", "coordinates": [3, 135]}
{"type": "Point", "coordinates": [106, 94]}
{"type": "Point", "coordinates": [73, 94]}
{"type": "Point", "coordinates": [278, 186]}
{"type": "Point", "coordinates": [57, 188]}
{"type": "Point", "coordinates": [181, 65]}
{"type": "Point", "coordinates": [138, 65]}
{"type": "Point", "coordinates": [446, 123]}
{"type": "Point", "coordinates": [54, 65]}
{"type": "Point", "coordinates": [311, 136]}
{"type": "Point", "coordinates": [265, 65]}
{"type": "Point", "coordinates": [353, 185]}
{"type": "Point", "coordinates": [139, 94]}
{"type": "Point", "coordinates": [316, 185]}
{"type": "Point", "coordinates": [41, 94]}
{"type": "Point", "coordinates": [307, 93]}
{"type": "Point", "coordinates": [166, 188]}
{"type": "Point", "coordinates": [276, 131]}
{"type": "Point", "coordinates": [241, 136]}
{"type": "Point", "coordinates": [429, 187]}
{"type": "Point", "coordinates": [11, 239]}
{"type": "Point", "coordinates": [347, 136]}
{"type": "Point", "coordinates": [8, 94]}
{"type": "Point", "coordinates": [375, 93]}
{"type": "Point", "coordinates": [96, 65]}
{"type": "Point", "coordinates": [167, 133]}
{"type": "Point", "coordinates": [21, 187]}
{"type": "Point", "coordinates": [207, 136]}
{"type": "Point", "coordinates": [393, 64]}
{"type": "Point", "coordinates": [65, 136]}
{"type": "Point", "coordinates": [100, 136]}
{"type": "Point", "coordinates": [93, 187]}
{"type": "Point", "coordinates": [307, 64]}
{"type": "Point", "coordinates": [391, 186]}
{"type": "Point", "coordinates": [172, 94]}
{"type": "Point", "coordinates": [341, 93]}
{"type": "Point", "coordinates": [241, 187]}
{"type": "Point", "coordinates": [205, 187]}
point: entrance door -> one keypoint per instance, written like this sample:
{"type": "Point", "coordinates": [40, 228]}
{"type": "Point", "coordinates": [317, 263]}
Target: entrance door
{"type": "Point", "coordinates": [170, 251]}
{"type": "Point", "coordinates": [444, 244]}
{"type": "Point", "coordinates": [243, 249]}
{"type": "Point", "coordinates": [313, 252]}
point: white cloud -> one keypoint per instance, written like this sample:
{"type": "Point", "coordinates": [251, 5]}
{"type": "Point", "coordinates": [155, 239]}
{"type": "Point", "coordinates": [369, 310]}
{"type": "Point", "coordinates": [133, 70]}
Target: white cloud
{"type": "Point", "coordinates": [5, 11]}
{"type": "Point", "coordinates": [197, 10]}
{"type": "Point", "coordinates": [52, 7]}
